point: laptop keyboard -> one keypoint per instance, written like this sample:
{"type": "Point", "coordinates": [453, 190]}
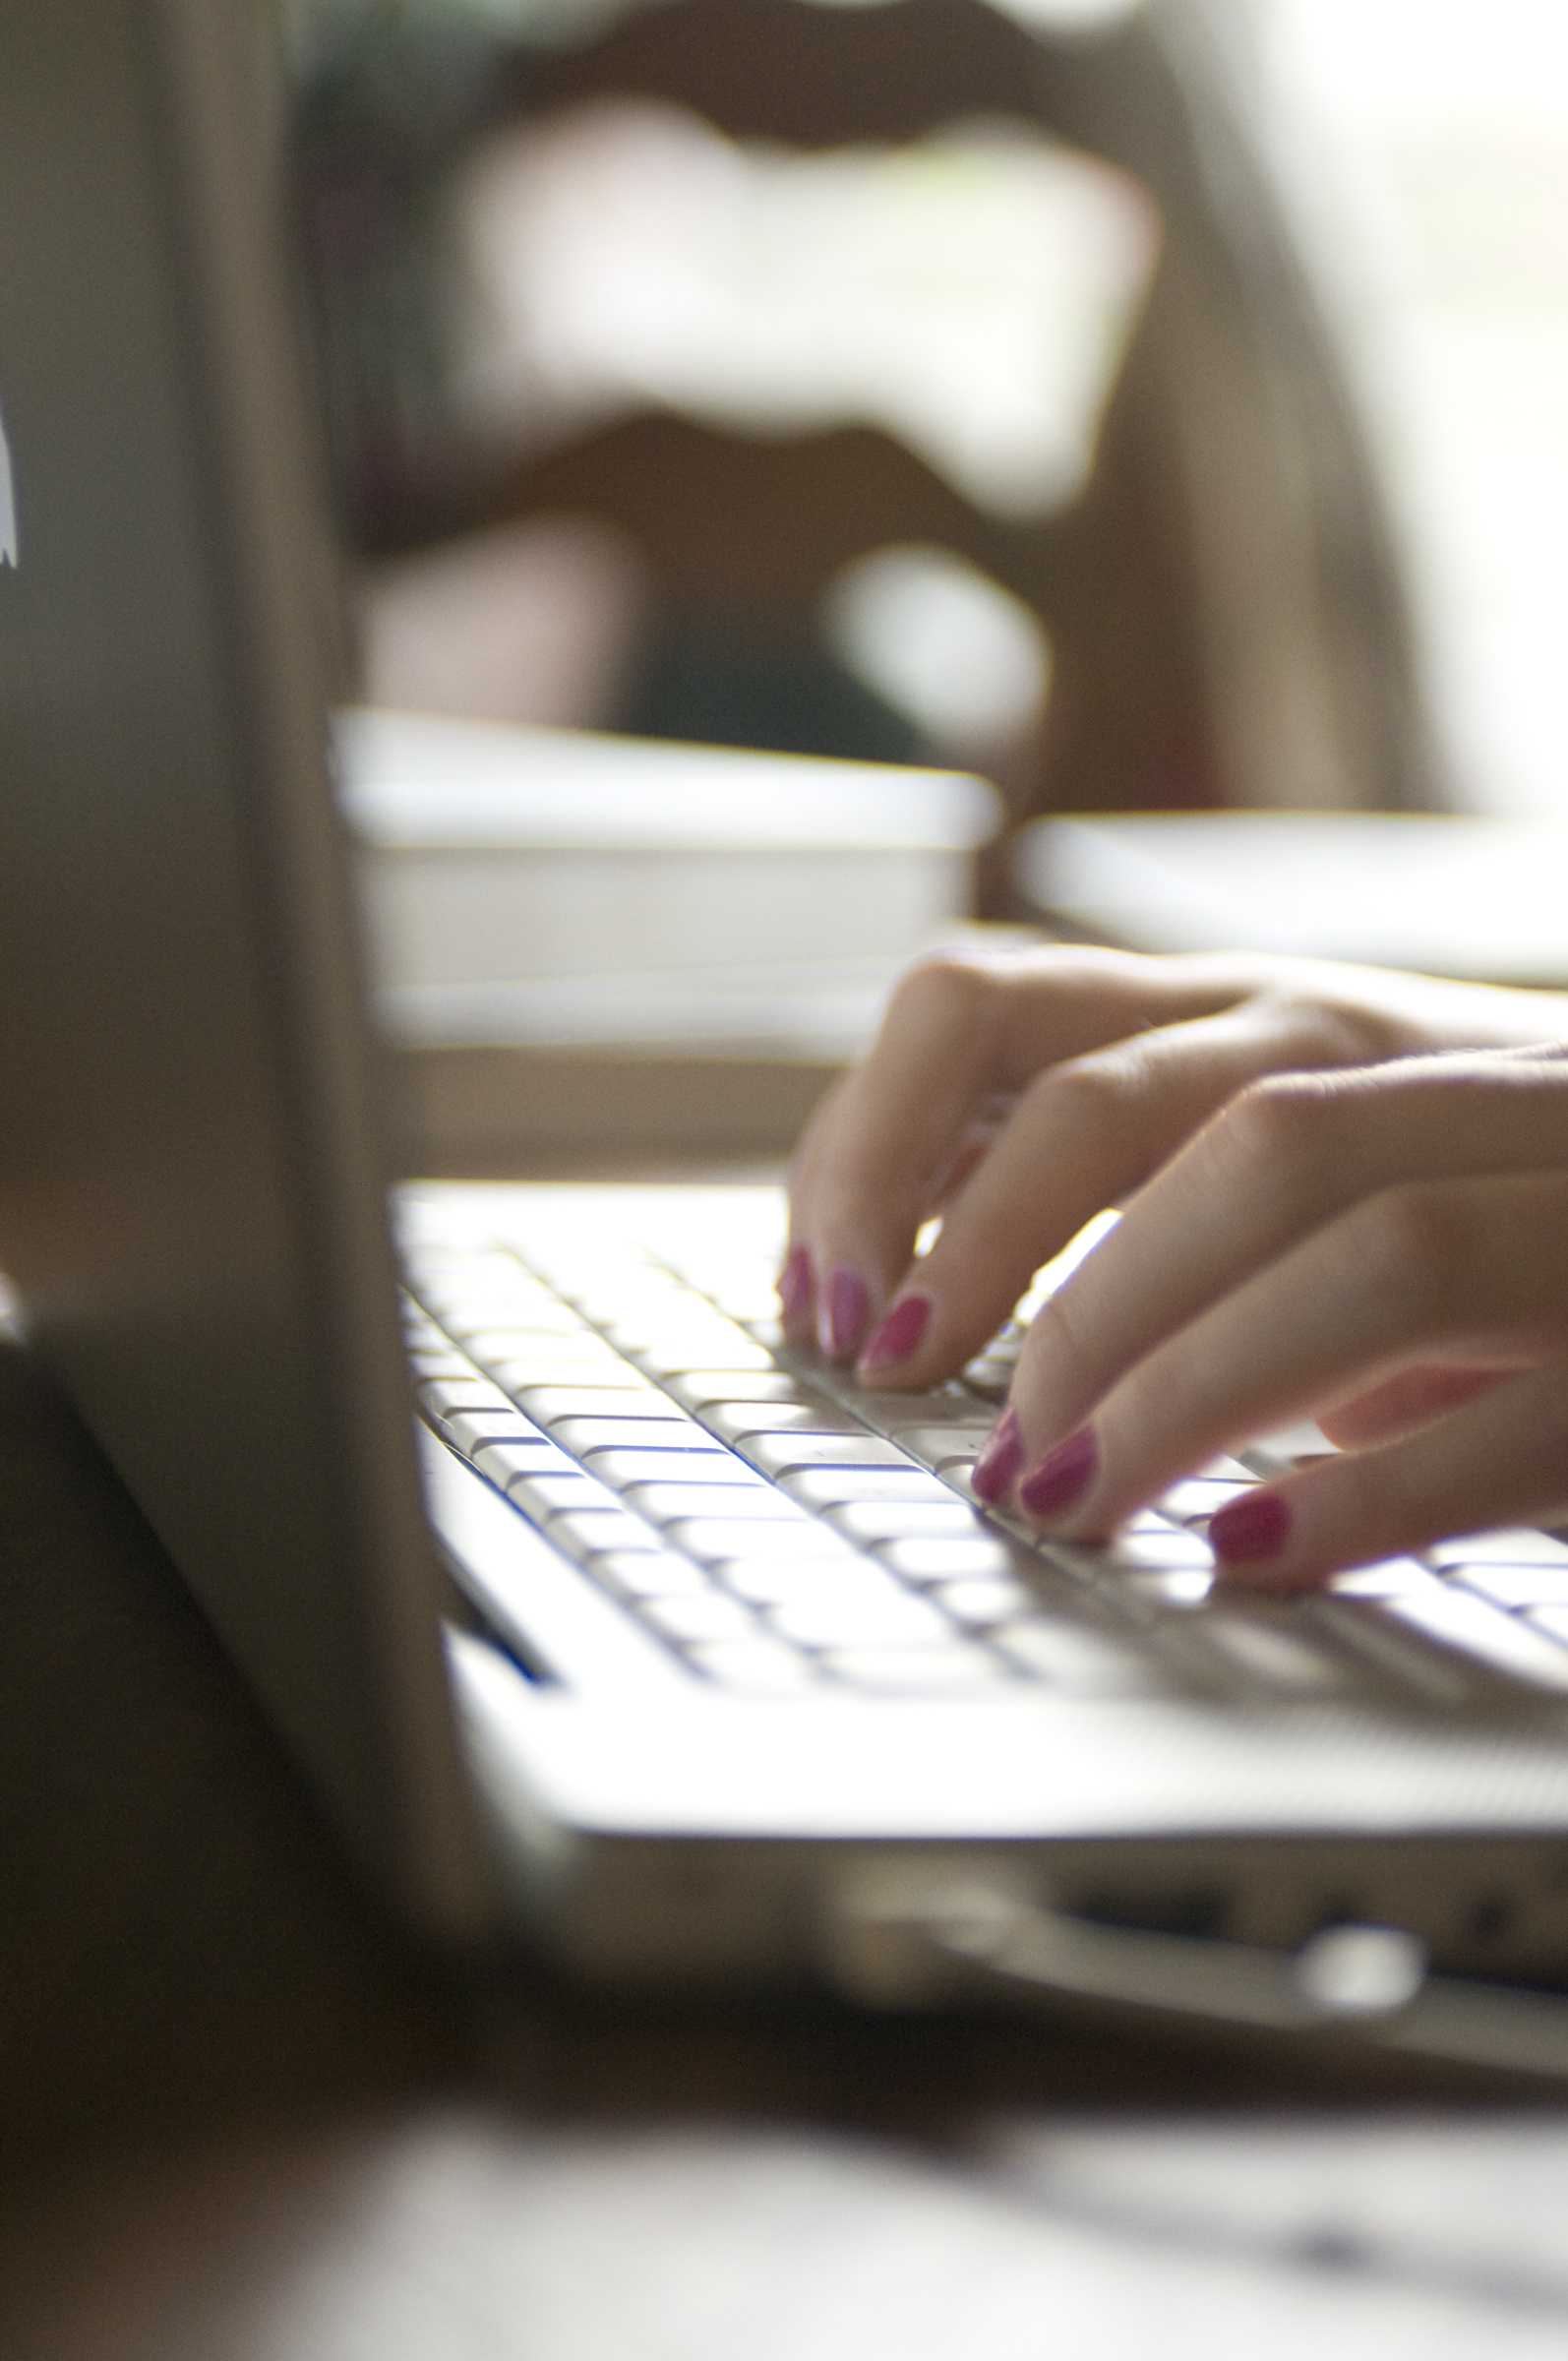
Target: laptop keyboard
{"type": "Point", "coordinates": [779, 1529]}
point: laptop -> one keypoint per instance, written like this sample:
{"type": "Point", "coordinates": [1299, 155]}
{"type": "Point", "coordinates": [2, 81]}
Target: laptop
{"type": "Point", "coordinates": [589, 1614]}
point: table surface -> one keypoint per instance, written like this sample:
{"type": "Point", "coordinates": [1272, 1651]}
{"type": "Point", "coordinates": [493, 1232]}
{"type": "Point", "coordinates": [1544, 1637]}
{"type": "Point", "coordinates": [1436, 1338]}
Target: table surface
{"type": "Point", "coordinates": [242, 2119]}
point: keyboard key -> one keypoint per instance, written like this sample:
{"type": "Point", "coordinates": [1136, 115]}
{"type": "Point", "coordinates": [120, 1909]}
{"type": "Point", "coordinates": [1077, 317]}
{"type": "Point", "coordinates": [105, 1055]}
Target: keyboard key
{"type": "Point", "coordinates": [949, 1560]}
{"type": "Point", "coordinates": [700, 1389]}
{"type": "Point", "coordinates": [709, 1464]}
{"type": "Point", "coordinates": [697, 1349]}
{"type": "Point", "coordinates": [581, 1435]}
{"type": "Point", "coordinates": [945, 1446]}
{"type": "Point", "coordinates": [649, 1574]}
{"type": "Point", "coordinates": [1173, 1593]}
{"type": "Point", "coordinates": [1267, 1652]}
{"type": "Point", "coordinates": [676, 1503]}
{"type": "Point", "coordinates": [805, 1581]}
{"type": "Point", "coordinates": [560, 1360]}
{"type": "Point", "coordinates": [1197, 1498]}
{"type": "Point", "coordinates": [1395, 1648]}
{"type": "Point", "coordinates": [1389, 1577]}
{"type": "Point", "coordinates": [1077, 1661]}
{"type": "Point", "coordinates": [956, 1670]}
{"type": "Point", "coordinates": [1515, 1586]}
{"type": "Point", "coordinates": [442, 1396]}
{"type": "Point", "coordinates": [524, 1455]}
{"type": "Point", "coordinates": [985, 1603]}
{"type": "Point", "coordinates": [471, 1430]}
{"type": "Point", "coordinates": [514, 1378]}
{"type": "Point", "coordinates": [577, 1348]}
{"type": "Point", "coordinates": [704, 1616]}
{"type": "Point", "coordinates": [1079, 1561]}
{"type": "Point", "coordinates": [761, 1668]}
{"type": "Point", "coordinates": [665, 1326]}
{"type": "Point", "coordinates": [782, 1454]}
{"type": "Point", "coordinates": [856, 1617]}
{"type": "Point", "coordinates": [437, 1361]}
{"type": "Point", "coordinates": [711, 1539]}
{"type": "Point", "coordinates": [1154, 1553]}
{"type": "Point", "coordinates": [551, 1494]}
{"type": "Point", "coordinates": [1509, 1545]}
{"type": "Point", "coordinates": [869, 1521]}
{"type": "Point", "coordinates": [891, 1414]}
{"type": "Point", "coordinates": [623, 1290]}
{"type": "Point", "coordinates": [1504, 1644]}
{"type": "Point", "coordinates": [550, 1402]}
{"type": "Point", "coordinates": [592, 1534]}
{"type": "Point", "coordinates": [538, 1317]}
{"type": "Point", "coordinates": [820, 1488]}
{"type": "Point", "coordinates": [735, 1422]}
{"type": "Point", "coordinates": [750, 1297]}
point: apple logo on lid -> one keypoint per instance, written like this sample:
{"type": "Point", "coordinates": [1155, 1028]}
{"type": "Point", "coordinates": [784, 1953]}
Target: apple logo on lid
{"type": "Point", "coordinates": [8, 503]}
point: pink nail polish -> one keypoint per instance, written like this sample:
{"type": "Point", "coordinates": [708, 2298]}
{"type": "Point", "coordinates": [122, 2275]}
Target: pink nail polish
{"type": "Point", "coordinates": [1053, 1483]}
{"type": "Point", "coordinates": [993, 1470]}
{"type": "Point", "coordinates": [899, 1334]}
{"type": "Point", "coordinates": [795, 1284]}
{"type": "Point", "coordinates": [842, 1313]}
{"type": "Point", "coordinates": [1250, 1529]}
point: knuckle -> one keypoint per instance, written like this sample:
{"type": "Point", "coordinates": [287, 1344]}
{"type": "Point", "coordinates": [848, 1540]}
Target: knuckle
{"type": "Point", "coordinates": [1092, 1095]}
{"type": "Point", "coordinates": [1286, 1125]}
{"type": "Point", "coordinates": [945, 983]}
{"type": "Point", "coordinates": [1340, 1029]}
{"type": "Point", "coordinates": [1411, 1241]}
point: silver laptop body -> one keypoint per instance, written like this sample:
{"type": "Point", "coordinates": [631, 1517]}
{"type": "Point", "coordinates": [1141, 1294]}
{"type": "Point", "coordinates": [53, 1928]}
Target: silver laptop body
{"type": "Point", "coordinates": [193, 1208]}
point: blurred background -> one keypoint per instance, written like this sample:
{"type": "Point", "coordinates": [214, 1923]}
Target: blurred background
{"type": "Point", "coordinates": [1150, 407]}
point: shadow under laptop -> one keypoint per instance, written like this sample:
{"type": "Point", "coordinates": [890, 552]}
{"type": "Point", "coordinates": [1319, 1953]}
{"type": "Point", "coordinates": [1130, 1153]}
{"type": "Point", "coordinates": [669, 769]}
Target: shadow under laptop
{"type": "Point", "coordinates": [180, 1948]}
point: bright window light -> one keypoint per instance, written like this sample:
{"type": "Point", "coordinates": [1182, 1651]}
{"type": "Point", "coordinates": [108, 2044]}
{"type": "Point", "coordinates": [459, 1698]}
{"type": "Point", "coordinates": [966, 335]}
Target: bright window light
{"type": "Point", "coordinates": [1426, 144]}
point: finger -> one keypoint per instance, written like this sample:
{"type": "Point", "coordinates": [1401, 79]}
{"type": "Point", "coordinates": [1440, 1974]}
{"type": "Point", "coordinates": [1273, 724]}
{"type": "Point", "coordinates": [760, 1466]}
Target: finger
{"type": "Point", "coordinates": [797, 1279]}
{"type": "Point", "coordinates": [868, 1171]}
{"type": "Point", "coordinates": [1287, 1155]}
{"type": "Point", "coordinates": [1471, 1271]}
{"type": "Point", "coordinates": [1500, 1458]}
{"type": "Point", "coordinates": [1403, 1404]}
{"type": "Point", "coordinates": [957, 1034]}
{"type": "Point", "coordinates": [972, 1150]}
{"type": "Point", "coordinates": [1079, 1138]}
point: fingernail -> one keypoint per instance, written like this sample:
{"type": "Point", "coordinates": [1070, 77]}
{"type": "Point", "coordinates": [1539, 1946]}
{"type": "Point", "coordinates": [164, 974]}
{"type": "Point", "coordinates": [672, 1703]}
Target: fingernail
{"type": "Point", "coordinates": [1248, 1530]}
{"type": "Point", "coordinates": [842, 1313]}
{"type": "Point", "coordinates": [899, 1334]}
{"type": "Point", "coordinates": [795, 1284]}
{"type": "Point", "coordinates": [993, 1470]}
{"type": "Point", "coordinates": [1053, 1483]}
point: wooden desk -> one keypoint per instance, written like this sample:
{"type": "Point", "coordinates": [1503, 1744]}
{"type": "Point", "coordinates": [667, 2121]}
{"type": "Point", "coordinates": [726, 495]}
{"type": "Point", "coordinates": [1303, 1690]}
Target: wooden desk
{"type": "Point", "coordinates": [243, 2123]}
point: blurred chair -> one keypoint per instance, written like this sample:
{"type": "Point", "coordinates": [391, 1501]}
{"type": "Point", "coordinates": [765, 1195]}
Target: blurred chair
{"type": "Point", "coordinates": [1223, 603]}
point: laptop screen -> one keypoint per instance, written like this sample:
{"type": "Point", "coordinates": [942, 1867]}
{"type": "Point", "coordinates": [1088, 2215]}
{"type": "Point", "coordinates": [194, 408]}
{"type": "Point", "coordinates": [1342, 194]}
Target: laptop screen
{"type": "Point", "coordinates": [190, 1192]}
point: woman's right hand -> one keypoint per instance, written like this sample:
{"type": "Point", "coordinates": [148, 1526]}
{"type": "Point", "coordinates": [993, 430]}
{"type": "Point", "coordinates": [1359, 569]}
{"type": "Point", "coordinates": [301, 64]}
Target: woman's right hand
{"type": "Point", "coordinates": [1270, 1122]}
{"type": "Point", "coordinates": [1017, 1097]}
